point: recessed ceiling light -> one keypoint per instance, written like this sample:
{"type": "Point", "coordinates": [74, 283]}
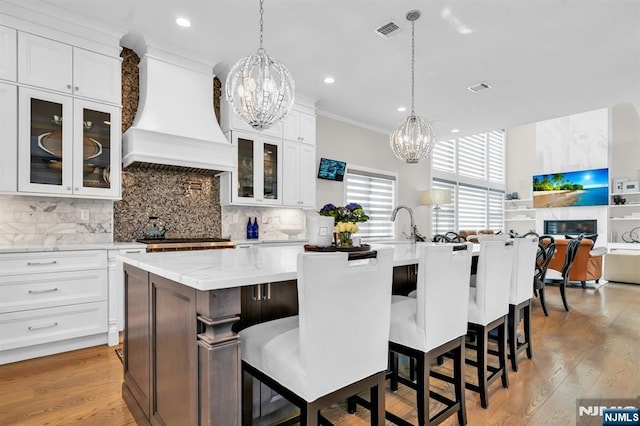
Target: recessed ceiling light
{"type": "Point", "coordinates": [402, 109]}
{"type": "Point", "coordinates": [329, 80]}
{"type": "Point", "coordinates": [183, 22]}
{"type": "Point", "coordinates": [455, 130]}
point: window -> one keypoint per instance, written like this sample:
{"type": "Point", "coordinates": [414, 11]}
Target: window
{"type": "Point", "coordinates": [376, 193]}
{"type": "Point", "coordinates": [472, 167]}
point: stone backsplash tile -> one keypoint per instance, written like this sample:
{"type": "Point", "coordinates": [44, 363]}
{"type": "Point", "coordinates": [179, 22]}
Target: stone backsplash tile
{"type": "Point", "coordinates": [29, 220]}
{"type": "Point", "coordinates": [165, 193]}
{"type": "Point", "coordinates": [271, 221]}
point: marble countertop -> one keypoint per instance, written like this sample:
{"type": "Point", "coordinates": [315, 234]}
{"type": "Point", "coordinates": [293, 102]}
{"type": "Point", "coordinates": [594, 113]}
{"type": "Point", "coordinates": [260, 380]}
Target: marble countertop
{"type": "Point", "coordinates": [217, 269]}
{"type": "Point", "coordinates": [71, 247]}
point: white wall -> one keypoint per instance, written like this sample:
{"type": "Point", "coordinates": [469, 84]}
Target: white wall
{"type": "Point", "coordinates": [623, 154]}
{"type": "Point", "coordinates": [358, 146]}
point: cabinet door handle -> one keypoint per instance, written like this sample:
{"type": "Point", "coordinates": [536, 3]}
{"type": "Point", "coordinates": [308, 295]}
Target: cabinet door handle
{"type": "Point", "coordinates": [256, 292]}
{"type": "Point", "coordinates": [68, 86]}
{"type": "Point", "coordinates": [48, 290]}
{"type": "Point", "coordinates": [76, 88]}
{"type": "Point", "coordinates": [133, 251]}
{"type": "Point", "coordinates": [68, 188]}
{"type": "Point", "coordinates": [53, 262]}
{"type": "Point", "coordinates": [266, 293]}
{"type": "Point", "coordinates": [258, 199]}
{"type": "Point", "coordinates": [40, 327]}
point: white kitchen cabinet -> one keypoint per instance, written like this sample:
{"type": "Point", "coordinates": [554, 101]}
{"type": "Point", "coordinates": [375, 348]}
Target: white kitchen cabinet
{"type": "Point", "coordinates": [9, 139]}
{"type": "Point", "coordinates": [298, 176]}
{"type": "Point", "coordinates": [63, 68]}
{"type": "Point", "coordinates": [258, 179]}
{"type": "Point", "coordinates": [68, 146]}
{"type": "Point", "coordinates": [45, 63]}
{"type": "Point", "coordinates": [116, 292]}
{"type": "Point", "coordinates": [8, 47]}
{"type": "Point", "coordinates": [96, 76]}
{"type": "Point", "coordinates": [52, 302]}
{"type": "Point", "coordinates": [300, 126]}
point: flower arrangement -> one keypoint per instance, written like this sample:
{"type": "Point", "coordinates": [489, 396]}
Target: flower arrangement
{"type": "Point", "coordinates": [352, 212]}
{"type": "Point", "coordinates": [345, 220]}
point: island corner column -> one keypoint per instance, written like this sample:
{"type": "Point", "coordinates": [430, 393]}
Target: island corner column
{"type": "Point", "coordinates": [219, 362]}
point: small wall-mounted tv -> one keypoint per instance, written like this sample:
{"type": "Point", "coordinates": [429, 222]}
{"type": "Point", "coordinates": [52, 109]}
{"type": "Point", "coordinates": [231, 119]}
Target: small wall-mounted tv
{"type": "Point", "coordinates": [331, 169]}
{"type": "Point", "coordinates": [569, 189]}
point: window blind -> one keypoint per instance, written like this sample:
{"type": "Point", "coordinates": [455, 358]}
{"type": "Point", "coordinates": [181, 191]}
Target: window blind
{"type": "Point", "coordinates": [472, 156]}
{"type": "Point", "coordinates": [376, 194]}
{"type": "Point", "coordinates": [495, 163]}
{"type": "Point", "coordinates": [444, 156]}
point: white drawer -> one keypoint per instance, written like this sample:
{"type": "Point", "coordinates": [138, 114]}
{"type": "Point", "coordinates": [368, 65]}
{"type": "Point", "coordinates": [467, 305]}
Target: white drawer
{"type": "Point", "coordinates": [33, 291]}
{"type": "Point", "coordinates": [26, 328]}
{"type": "Point", "coordinates": [38, 262]}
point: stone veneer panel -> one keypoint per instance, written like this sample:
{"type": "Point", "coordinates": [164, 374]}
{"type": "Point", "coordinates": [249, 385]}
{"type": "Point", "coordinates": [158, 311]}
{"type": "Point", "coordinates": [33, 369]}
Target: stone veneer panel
{"type": "Point", "coordinates": [187, 203]}
{"type": "Point", "coordinates": [51, 221]}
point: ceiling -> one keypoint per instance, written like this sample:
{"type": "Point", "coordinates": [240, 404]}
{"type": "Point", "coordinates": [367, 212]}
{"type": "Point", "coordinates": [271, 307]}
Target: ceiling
{"type": "Point", "coordinates": [543, 58]}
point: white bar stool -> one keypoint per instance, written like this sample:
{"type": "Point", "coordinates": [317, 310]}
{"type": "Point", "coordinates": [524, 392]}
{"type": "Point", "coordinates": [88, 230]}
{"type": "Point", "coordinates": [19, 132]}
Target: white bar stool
{"type": "Point", "coordinates": [337, 345]}
{"type": "Point", "coordinates": [488, 308]}
{"type": "Point", "coordinates": [431, 324]}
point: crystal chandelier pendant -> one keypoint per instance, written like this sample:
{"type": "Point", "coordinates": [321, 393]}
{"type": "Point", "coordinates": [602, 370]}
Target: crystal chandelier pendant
{"type": "Point", "coordinates": [260, 89]}
{"type": "Point", "coordinates": [413, 139]}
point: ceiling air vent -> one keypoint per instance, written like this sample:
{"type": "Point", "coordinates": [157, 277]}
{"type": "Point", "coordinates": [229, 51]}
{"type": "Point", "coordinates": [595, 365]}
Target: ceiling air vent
{"type": "Point", "coordinates": [388, 30]}
{"type": "Point", "coordinates": [479, 87]}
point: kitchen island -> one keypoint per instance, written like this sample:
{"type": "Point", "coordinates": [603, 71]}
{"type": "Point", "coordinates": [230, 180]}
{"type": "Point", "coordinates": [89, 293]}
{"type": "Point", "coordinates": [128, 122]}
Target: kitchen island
{"type": "Point", "coordinates": [183, 310]}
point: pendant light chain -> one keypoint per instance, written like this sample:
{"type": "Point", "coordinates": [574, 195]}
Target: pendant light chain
{"type": "Point", "coordinates": [261, 22]}
{"type": "Point", "coordinates": [413, 139]}
{"type": "Point", "coordinates": [413, 66]}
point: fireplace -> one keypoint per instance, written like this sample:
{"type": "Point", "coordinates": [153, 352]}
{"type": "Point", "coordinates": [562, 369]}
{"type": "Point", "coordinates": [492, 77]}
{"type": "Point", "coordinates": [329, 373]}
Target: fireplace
{"type": "Point", "coordinates": [570, 227]}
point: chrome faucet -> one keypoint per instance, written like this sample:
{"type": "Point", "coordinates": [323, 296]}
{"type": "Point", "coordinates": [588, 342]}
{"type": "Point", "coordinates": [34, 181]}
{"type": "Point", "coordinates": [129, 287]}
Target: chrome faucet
{"type": "Point", "coordinates": [414, 234]}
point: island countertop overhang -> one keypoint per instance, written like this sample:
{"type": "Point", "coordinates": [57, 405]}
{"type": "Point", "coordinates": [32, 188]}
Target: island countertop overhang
{"type": "Point", "coordinates": [218, 269]}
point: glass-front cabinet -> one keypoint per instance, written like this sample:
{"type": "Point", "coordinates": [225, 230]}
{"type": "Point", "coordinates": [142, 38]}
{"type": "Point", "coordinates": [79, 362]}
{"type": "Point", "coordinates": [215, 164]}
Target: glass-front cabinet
{"type": "Point", "coordinates": [68, 146]}
{"type": "Point", "coordinates": [258, 180]}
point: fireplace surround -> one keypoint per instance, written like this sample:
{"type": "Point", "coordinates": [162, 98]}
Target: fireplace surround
{"type": "Point", "coordinates": [570, 227]}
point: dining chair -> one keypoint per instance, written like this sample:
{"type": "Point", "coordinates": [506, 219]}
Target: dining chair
{"type": "Point", "coordinates": [488, 308]}
{"type": "Point", "coordinates": [546, 250]}
{"type": "Point", "coordinates": [520, 295]}
{"type": "Point", "coordinates": [338, 344]}
{"type": "Point", "coordinates": [561, 277]}
{"type": "Point", "coordinates": [431, 324]}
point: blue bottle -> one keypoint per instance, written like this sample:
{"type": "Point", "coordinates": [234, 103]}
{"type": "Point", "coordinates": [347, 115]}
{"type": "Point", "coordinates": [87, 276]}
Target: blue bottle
{"type": "Point", "coordinates": [249, 230]}
{"type": "Point", "coordinates": [256, 232]}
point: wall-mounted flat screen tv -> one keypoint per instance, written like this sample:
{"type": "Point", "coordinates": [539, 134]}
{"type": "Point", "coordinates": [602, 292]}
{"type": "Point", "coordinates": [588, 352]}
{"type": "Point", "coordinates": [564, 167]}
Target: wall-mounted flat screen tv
{"type": "Point", "coordinates": [331, 169]}
{"type": "Point", "coordinates": [570, 189]}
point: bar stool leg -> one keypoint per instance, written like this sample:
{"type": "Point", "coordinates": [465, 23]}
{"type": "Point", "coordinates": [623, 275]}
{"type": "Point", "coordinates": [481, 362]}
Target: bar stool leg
{"type": "Point", "coordinates": [502, 350]}
{"type": "Point", "coordinates": [393, 366]}
{"type": "Point", "coordinates": [514, 320]}
{"type": "Point", "coordinates": [423, 371]}
{"type": "Point", "coordinates": [458, 376]}
{"type": "Point", "coordinates": [527, 329]}
{"type": "Point", "coordinates": [482, 337]}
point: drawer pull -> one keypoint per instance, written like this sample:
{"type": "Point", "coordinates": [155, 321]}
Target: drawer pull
{"type": "Point", "coordinates": [133, 251]}
{"type": "Point", "coordinates": [48, 290]}
{"type": "Point", "coordinates": [53, 262]}
{"type": "Point", "coordinates": [40, 327]}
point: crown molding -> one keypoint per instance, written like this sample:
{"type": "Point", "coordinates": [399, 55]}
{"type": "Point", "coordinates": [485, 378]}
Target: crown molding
{"type": "Point", "coordinates": [338, 117]}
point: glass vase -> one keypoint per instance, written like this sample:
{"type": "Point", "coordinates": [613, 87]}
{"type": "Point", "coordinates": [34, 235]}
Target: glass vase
{"type": "Point", "coordinates": [345, 240]}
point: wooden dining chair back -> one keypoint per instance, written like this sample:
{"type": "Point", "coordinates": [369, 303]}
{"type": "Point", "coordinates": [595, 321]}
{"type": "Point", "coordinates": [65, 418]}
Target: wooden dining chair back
{"type": "Point", "coordinates": [570, 252]}
{"type": "Point", "coordinates": [546, 250]}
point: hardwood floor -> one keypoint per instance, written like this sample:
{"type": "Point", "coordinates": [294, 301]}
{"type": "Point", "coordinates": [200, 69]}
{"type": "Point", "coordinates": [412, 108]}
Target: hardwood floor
{"type": "Point", "coordinates": [590, 352]}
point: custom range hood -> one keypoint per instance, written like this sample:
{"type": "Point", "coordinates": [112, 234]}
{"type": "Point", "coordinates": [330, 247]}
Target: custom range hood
{"type": "Point", "coordinates": [175, 125]}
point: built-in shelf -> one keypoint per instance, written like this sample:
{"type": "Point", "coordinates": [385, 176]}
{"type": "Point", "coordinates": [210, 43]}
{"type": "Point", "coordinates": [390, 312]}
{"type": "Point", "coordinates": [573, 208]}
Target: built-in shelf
{"type": "Point", "coordinates": [519, 200]}
{"type": "Point", "coordinates": [624, 218]}
{"type": "Point", "coordinates": [625, 193]}
{"type": "Point", "coordinates": [522, 219]}
{"type": "Point", "coordinates": [520, 210]}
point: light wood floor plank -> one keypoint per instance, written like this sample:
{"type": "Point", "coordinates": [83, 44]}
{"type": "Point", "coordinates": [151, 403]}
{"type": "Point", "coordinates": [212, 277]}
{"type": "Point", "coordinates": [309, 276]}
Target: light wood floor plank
{"type": "Point", "coordinates": [590, 352]}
